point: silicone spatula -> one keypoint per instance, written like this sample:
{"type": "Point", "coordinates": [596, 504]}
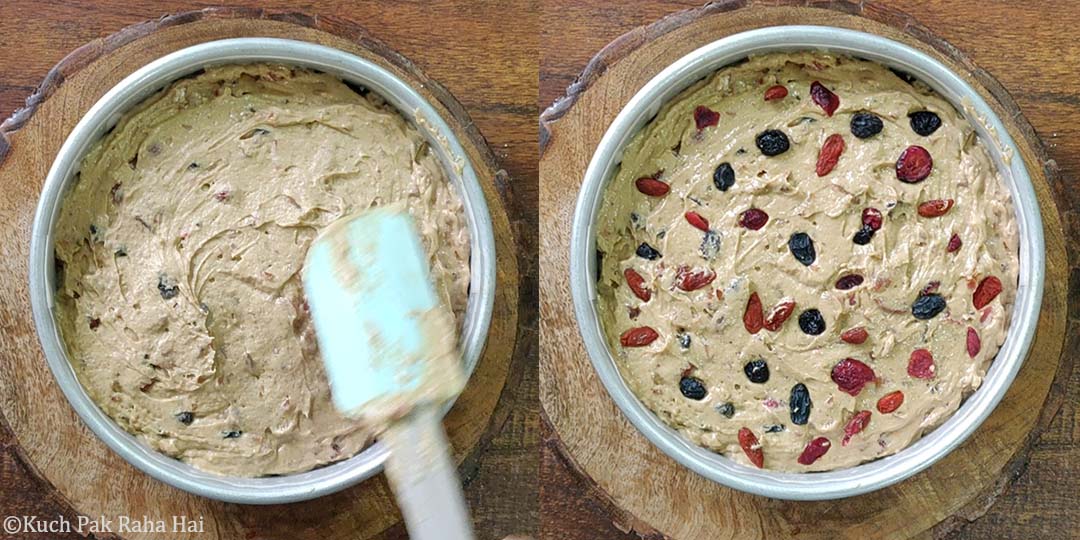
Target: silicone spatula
{"type": "Point", "coordinates": [391, 356]}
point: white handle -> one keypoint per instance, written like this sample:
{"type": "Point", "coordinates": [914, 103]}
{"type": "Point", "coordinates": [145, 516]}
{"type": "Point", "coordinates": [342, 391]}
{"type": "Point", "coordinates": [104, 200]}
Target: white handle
{"type": "Point", "coordinates": [424, 479]}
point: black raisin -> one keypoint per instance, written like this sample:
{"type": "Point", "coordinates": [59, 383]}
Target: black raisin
{"type": "Point", "coordinates": [757, 371]}
{"type": "Point", "coordinates": [802, 247]}
{"type": "Point", "coordinates": [863, 235]}
{"type": "Point", "coordinates": [726, 409]}
{"type": "Point", "coordinates": [775, 428]}
{"type": "Point", "coordinates": [928, 306]}
{"type": "Point", "coordinates": [800, 404]}
{"type": "Point", "coordinates": [684, 339]}
{"type": "Point", "coordinates": [812, 322]}
{"type": "Point", "coordinates": [185, 418]}
{"type": "Point", "coordinates": [167, 287]}
{"type": "Point", "coordinates": [724, 176]}
{"type": "Point", "coordinates": [645, 251]}
{"type": "Point", "coordinates": [692, 388]}
{"type": "Point", "coordinates": [772, 142]}
{"type": "Point", "coordinates": [710, 245]}
{"type": "Point", "coordinates": [865, 125]}
{"type": "Point", "coordinates": [924, 122]}
{"type": "Point", "coordinates": [231, 434]}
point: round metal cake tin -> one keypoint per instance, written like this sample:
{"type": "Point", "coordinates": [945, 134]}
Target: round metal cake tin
{"type": "Point", "coordinates": [152, 78]}
{"type": "Point", "coordinates": [934, 445]}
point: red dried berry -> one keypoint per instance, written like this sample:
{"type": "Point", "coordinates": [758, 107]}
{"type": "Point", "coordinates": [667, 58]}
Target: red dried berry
{"type": "Point", "coordinates": [749, 443]}
{"type": "Point", "coordinates": [824, 97]}
{"type": "Point", "coordinates": [753, 318]}
{"type": "Point", "coordinates": [890, 402]}
{"type": "Point", "coordinates": [921, 364]}
{"type": "Point", "coordinates": [871, 217]}
{"type": "Point", "coordinates": [753, 219]}
{"type": "Point", "coordinates": [691, 280]}
{"type": "Point", "coordinates": [652, 187]}
{"type": "Point", "coordinates": [697, 220]}
{"type": "Point", "coordinates": [855, 425]}
{"type": "Point", "coordinates": [830, 154]}
{"type": "Point", "coordinates": [849, 281]}
{"type": "Point", "coordinates": [638, 337]}
{"type": "Point", "coordinates": [954, 243]}
{"type": "Point", "coordinates": [705, 117]}
{"type": "Point", "coordinates": [855, 336]}
{"type": "Point", "coordinates": [776, 317]}
{"type": "Point", "coordinates": [986, 292]}
{"type": "Point", "coordinates": [814, 450]}
{"type": "Point", "coordinates": [637, 284]}
{"type": "Point", "coordinates": [914, 165]}
{"type": "Point", "coordinates": [935, 208]}
{"type": "Point", "coordinates": [930, 288]}
{"type": "Point", "coordinates": [776, 92]}
{"type": "Point", "coordinates": [851, 375]}
{"type": "Point", "coordinates": [974, 344]}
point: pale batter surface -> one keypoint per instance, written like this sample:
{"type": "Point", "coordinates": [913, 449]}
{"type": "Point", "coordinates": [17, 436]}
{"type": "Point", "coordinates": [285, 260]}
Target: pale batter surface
{"type": "Point", "coordinates": [181, 248]}
{"type": "Point", "coordinates": [695, 317]}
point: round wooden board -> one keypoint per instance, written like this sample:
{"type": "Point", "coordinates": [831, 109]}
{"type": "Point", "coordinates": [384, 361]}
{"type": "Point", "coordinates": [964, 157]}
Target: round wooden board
{"type": "Point", "coordinates": [640, 487]}
{"type": "Point", "coordinates": [84, 472]}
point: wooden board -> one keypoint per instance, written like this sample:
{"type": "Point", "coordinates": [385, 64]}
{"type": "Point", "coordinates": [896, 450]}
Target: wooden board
{"type": "Point", "coordinates": [47, 434]}
{"type": "Point", "coordinates": [638, 487]}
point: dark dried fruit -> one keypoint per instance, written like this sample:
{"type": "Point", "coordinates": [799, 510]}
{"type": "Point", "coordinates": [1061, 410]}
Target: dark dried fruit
{"type": "Point", "coordinates": [638, 337]}
{"type": "Point", "coordinates": [724, 176]}
{"type": "Point", "coordinates": [710, 245]}
{"type": "Point", "coordinates": [753, 317]}
{"type": "Point", "coordinates": [871, 217]}
{"type": "Point", "coordinates": [185, 418]}
{"type": "Point", "coordinates": [927, 306]}
{"type": "Point", "coordinates": [697, 220]}
{"type": "Point", "coordinates": [974, 344]}
{"type": "Point", "coordinates": [851, 375]}
{"type": "Point", "coordinates": [865, 125]}
{"type": "Point", "coordinates": [924, 122]}
{"type": "Point", "coordinates": [829, 154]}
{"type": "Point", "coordinates": [684, 340]}
{"type": "Point", "coordinates": [705, 117]}
{"type": "Point", "coordinates": [652, 187]}
{"type": "Point", "coordinates": [824, 97]}
{"type": "Point", "coordinates": [954, 243]}
{"type": "Point", "coordinates": [863, 235]}
{"type": "Point", "coordinates": [727, 410]}
{"type": "Point", "coordinates": [855, 425]}
{"type": "Point", "coordinates": [692, 388]}
{"type": "Point", "coordinates": [890, 402]}
{"type": "Point", "coordinates": [801, 404]}
{"type": "Point", "coordinates": [914, 165]}
{"type": "Point", "coordinates": [692, 280]}
{"type": "Point", "coordinates": [814, 450]}
{"type": "Point", "coordinates": [855, 336]}
{"type": "Point", "coordinates": [986, 292]}
{"type": "Point", "coordinates": [775, 319]}
{"type": "Point", "coordinates": [802, 248]}
{"type": "Point", "coordinates": [753, 219]}
{"type": "Point", "coordinates": [935, 208]}
{"type": "Point", "coordinates": [167, 287]}
{"type": "Point", "coordinates": [775, 428]}
{"type": "Point", "coordinates": [811, 322]}
{"type": "Point", "coordinates": [776, 92]}
{"type": "Point", "coordinates": [751, 447]}
{"type": "Point", "coordinates": [849, 281]}
{"type": "Point", "coordinates": [772, 142]}
{"type": "Point", "coordinates": [645, 251]}
{"type": "Point", "coordinates": [231, 434]}
{"type": "Point", "coordinates": [94, 323]}
{"type": "Point", "coordinates": [757, 371]}
{"type": "Point", "coordinates": [921, 364]}
{"type": "Point", "coordinates": [637, 284]}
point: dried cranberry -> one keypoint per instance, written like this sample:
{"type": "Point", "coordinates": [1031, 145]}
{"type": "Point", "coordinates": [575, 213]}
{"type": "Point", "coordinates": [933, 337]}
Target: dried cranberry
{"type": "Point", "coordinates": [753, 219]}
{"type": "Point", "coordinates": [954, 243]}
{"type": "Point", "coordinates": [851, 375]}
{"type": "Point", "coordinates": [753, 317]}
{"type": "Point", "coordinates": [935, 208]}
{"type": "Point", "coordinates": [814, 450]}
{"type": "Point", "coordinates": [871, 217]}
{"type": "Point", "coordinates": [921, 364]}
{"type": "Point", "coordinates": [824, 97]}
{"type": "Point", "coordinates": [974, 344]}
{"type": "Point", "coordinates": [849, 281]}
{"type": "Point", "coordinates": [854, 426]}
{"type": "Point", "coordinates": [705, 117]}
{"type": "Point", "coordinates": [914, 165]}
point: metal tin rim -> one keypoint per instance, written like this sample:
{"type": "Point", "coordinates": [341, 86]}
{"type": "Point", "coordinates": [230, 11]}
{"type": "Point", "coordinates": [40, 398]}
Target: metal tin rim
{"type": "Point", "coordinates": [151, 78]}
{"type": "Point", "coordinates": [934, 445]}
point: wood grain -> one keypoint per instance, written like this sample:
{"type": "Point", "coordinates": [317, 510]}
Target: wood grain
{"type": "Point", "coordinates": [599, 499]}
{"type": "Point", "coordinates": [493, 425]}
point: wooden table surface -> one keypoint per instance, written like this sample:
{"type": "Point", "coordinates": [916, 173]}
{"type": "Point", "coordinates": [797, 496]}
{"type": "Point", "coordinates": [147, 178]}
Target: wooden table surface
{"type": "Point", "coordinates": [1032, 48]}
{"type": "Point", "coordinates": [485, 53]}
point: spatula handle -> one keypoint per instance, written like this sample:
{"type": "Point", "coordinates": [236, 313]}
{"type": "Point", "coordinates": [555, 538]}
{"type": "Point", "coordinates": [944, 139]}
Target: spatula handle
{"type": "Point", "coordinates": [424, 479]}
